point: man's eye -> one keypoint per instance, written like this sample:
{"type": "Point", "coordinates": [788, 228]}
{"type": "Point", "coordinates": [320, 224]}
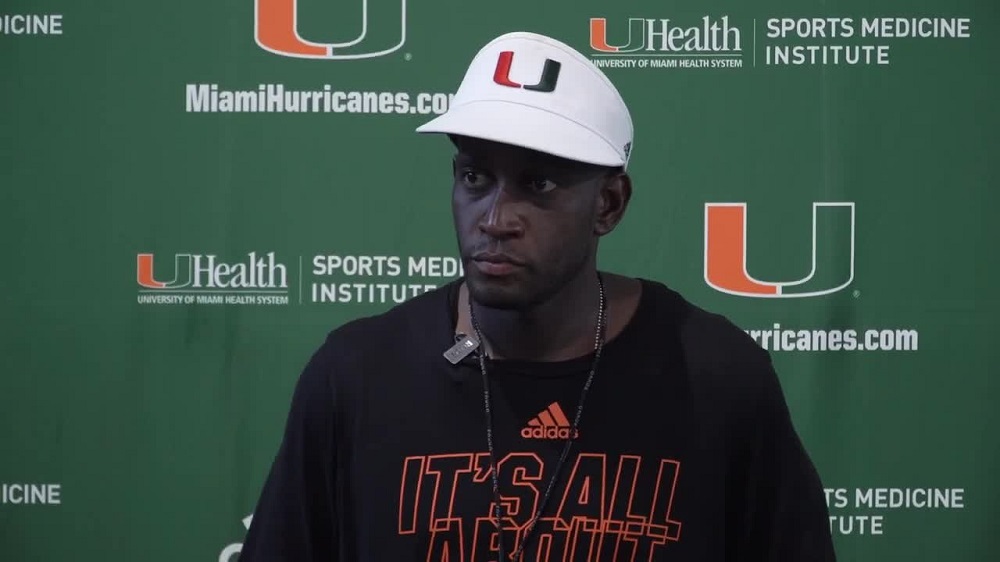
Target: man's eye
{"type": "Point", "coordinates": [541, 185]}
{"type": "Point", "coordinates": [473, 179]}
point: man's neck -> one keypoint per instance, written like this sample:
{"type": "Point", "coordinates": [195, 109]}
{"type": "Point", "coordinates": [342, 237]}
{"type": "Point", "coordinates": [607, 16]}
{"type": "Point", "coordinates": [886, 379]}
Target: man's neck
{"type": "Point", "coordinates": [563, 327]}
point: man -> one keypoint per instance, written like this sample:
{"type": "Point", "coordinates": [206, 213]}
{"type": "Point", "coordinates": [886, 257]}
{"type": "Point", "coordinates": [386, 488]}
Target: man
{"type": "Point", "coordinates": [597, 417]}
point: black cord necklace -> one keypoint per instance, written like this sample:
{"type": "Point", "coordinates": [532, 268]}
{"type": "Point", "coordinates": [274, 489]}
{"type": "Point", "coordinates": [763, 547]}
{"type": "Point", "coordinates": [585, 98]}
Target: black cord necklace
{"type": "Point", "coordinates": [598, 347]}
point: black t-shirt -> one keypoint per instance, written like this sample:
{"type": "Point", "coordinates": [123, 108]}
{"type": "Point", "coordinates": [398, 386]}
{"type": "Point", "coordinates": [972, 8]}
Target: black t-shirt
{"type": "Point", "coordinates": [685, 451]}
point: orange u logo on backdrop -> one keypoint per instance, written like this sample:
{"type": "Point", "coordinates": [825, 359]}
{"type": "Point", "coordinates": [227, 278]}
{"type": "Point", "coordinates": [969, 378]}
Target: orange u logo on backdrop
{"type": "Point", "coordinates": [832, 259]}
{"type": "Point", "coordinates": [599, 36]}
{"type": "Point", "coordinates": [182, 272]}
{"type": "Point", "coordinates": [276, 31]}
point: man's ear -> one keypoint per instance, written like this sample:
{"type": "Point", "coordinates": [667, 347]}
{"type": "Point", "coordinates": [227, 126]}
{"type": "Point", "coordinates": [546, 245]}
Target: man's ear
{"type": "Point", "coordinates": [613, 198]}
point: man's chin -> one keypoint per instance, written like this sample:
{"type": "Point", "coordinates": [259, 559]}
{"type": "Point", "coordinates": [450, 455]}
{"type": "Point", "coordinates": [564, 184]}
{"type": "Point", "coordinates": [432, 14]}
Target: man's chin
{"type": "Point", "coordinates": [499, 293]}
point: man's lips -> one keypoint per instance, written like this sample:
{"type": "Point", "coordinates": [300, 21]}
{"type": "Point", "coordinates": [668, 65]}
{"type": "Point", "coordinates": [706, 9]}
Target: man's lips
{"type": "Point", "coordinates": [493, 263]}
{"type": "Point", "coordinates": [495, 257]}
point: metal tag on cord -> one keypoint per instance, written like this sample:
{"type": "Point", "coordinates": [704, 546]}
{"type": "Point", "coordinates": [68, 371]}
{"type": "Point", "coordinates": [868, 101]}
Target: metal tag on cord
{"type": "Point", "coordinates": [462, 348]}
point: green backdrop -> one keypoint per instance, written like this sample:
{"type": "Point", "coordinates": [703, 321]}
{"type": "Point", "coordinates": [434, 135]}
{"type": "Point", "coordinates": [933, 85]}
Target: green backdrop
{"type": "Point", "coordinates": [188, 206]}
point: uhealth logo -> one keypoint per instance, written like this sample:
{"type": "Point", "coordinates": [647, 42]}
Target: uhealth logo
{"type": "Point", "coordinates": [651, 36]}
{"type": "Point", "coordinates": [382, 30]}
{"type": "Point", "coordinates": [204, 279]}
{"type": "Point", "coordinates": [547, 82]}
{"type": "Point", "coordinates": [726, 253]}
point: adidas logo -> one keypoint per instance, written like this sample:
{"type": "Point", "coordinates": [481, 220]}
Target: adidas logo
{"type": "Point", "coordinates": [550, 423]}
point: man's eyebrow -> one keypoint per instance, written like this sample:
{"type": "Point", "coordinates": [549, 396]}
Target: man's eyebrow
{"type": "Point", "coordinates": [466, 157]}
{"type": "Point", "coordinates": [562, 167]}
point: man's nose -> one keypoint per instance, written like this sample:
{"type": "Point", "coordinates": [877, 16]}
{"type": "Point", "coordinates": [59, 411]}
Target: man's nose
{"type": "Point", "coordinates": [502, 218]}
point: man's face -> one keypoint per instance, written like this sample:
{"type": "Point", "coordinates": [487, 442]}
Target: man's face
{"type": "Point", "coordinates": [526, 222]}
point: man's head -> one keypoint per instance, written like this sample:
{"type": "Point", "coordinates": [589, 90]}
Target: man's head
{"type": "Point", "coordinates": [543, 139]}
{"type": "Point", "coordinates": [528, 222]}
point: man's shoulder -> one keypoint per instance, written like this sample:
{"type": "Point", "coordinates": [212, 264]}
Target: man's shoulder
{"type": "Point", "coordinates": [707, 336]}
{"type": "Point", "coordinates": [717, 360]}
